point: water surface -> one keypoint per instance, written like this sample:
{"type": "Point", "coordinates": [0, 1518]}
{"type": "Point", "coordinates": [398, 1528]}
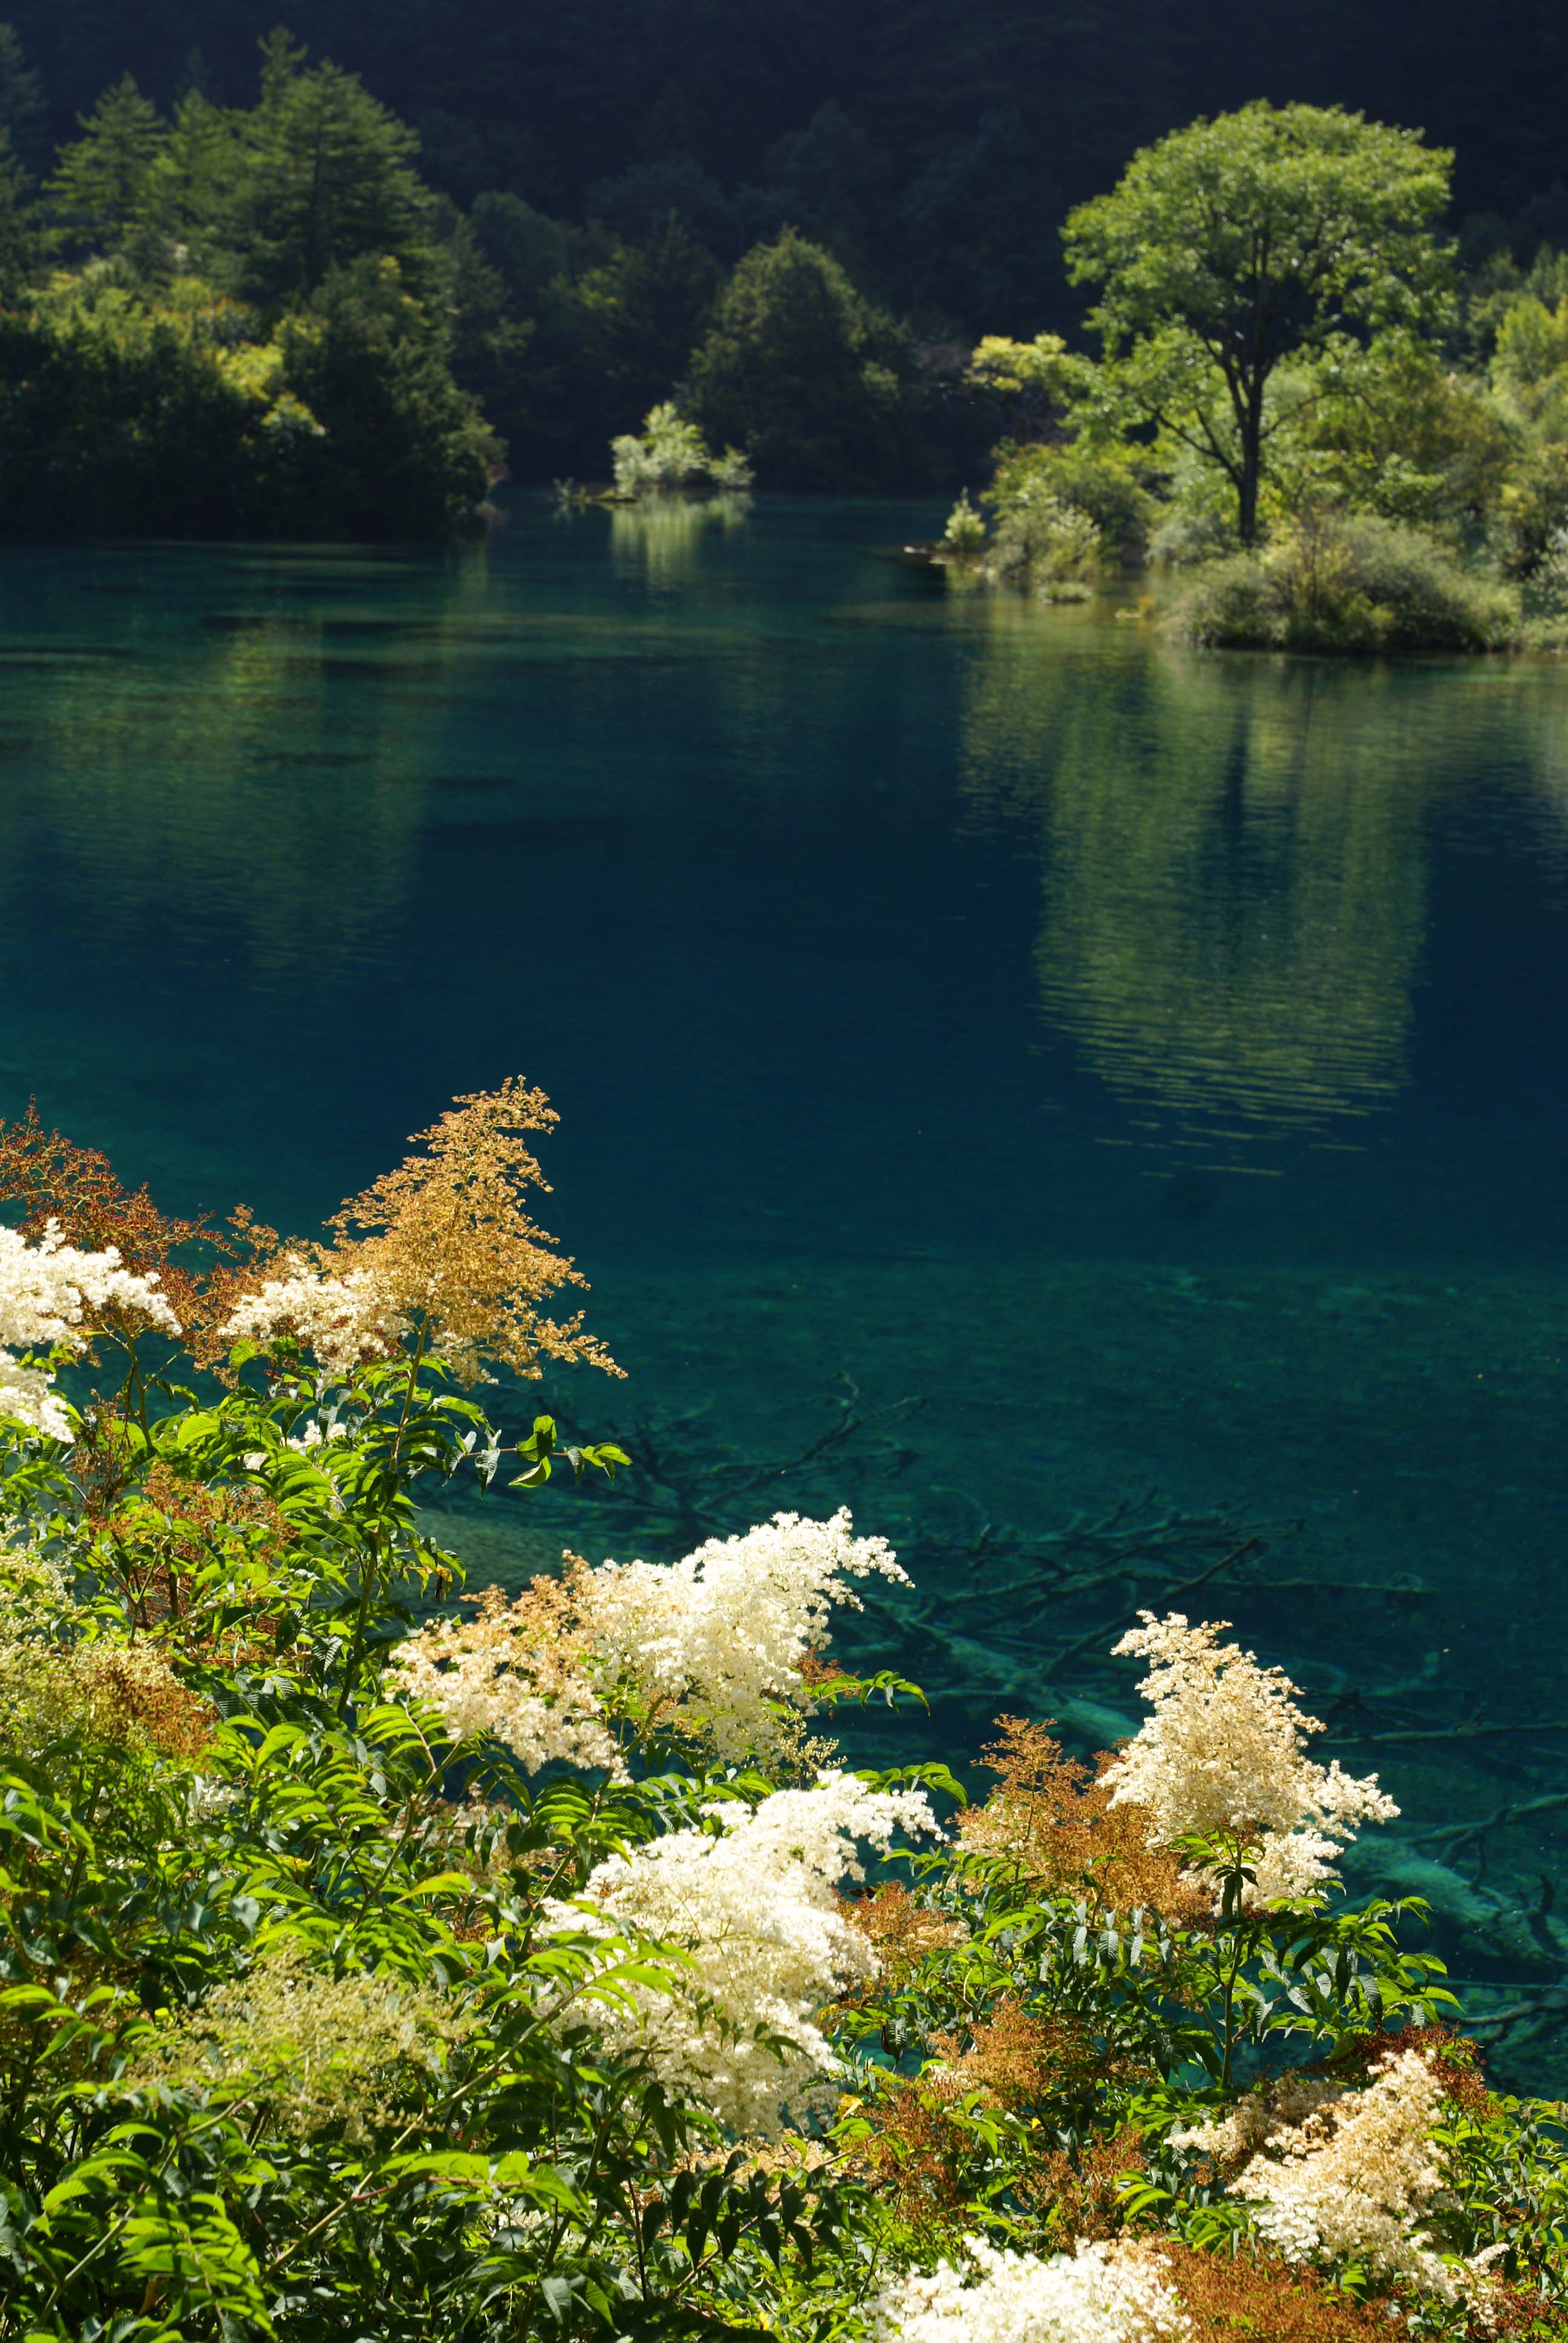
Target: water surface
{"type": "Point", "coordinates": [1096, 1110]}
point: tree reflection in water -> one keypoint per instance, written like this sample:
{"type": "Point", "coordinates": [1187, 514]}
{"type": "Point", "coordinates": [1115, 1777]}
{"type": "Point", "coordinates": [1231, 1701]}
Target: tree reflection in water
{"type": "Point", "coordinates": [1233, 867]}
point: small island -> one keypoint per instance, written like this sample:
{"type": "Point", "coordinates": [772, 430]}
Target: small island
{"type": "Point", "coordinates": [1298, 403]}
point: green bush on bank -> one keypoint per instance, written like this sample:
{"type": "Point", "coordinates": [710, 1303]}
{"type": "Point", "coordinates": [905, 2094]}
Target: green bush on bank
{"type": "Point", "coordinates": [1347, 583]}
{"type": "Point", "coordinates": [372, 1964]}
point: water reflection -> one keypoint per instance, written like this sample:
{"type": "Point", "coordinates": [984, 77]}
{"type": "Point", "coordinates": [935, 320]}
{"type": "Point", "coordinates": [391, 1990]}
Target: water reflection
{"type": "Point", "coordinates": [263, 791]}
{"type": "Point", "coordinates": [1234, 863]}
{"type": "Point", "coordinates": [663, 536]}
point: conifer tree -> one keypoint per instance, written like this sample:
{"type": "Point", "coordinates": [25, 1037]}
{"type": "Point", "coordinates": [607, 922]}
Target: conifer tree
{"type": "Point", "coordinates": [198, 171]}
{"type": "Point", "coordinates": [18, 229]}
{"type": "Point", "coordinates": [22, 112]}
{"type": "Point", "coordinates": [328, 179]}
{"type": "Point", "coordinates": [107, 177]}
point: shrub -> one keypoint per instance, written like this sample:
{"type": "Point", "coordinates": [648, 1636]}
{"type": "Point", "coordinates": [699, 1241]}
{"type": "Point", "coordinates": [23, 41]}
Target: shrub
{"type": "Point", "coordinates": [1186, 537]}
{"type": "Point", "coordinates": [965, 530]}
{"type": "Point", "coordinates": [671, 455]}
{"type": "Point", "coordinates": [1336, 583]}
{"type": "Point", "coordinates": [373, 1964]}
{"type": "Point", "coordinates": [1051, 546]}
{"type": "Point", "coordinates": [1107, 485]}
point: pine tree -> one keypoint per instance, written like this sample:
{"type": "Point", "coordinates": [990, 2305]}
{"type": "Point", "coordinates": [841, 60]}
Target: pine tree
{"type": "Point", "coordinates": [18, 224]}
{"type": "Point", "coordinates": [106, 179]}
{"type": "Point", "coordinates": [22, 109]}
{"type": "Point", "coordinates": [199, 170]}
{"type": "Point", "coordinates": [327, 180]}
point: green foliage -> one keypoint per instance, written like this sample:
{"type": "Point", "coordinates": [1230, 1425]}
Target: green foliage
{"type": "Point", "coordinates": [527, 251]}
{"type": "Point", "coordinates": [671, 455]}
{"type": "Point", "coordinates": [107, 178]}
{"type": "Point", "coordinates": [401, 451]}
{"type": "Point", "coordinates": [1108, 486]}
{"type": "Point", "coordinates": [1235, 246]}
{"type": "Point", "coordinates": [1531, 511]}
{"type": "Point", "coordinates": [310, 2029]}
{"type": "Point", "coordinates": [196, 183]}
{"type": "Point", "coordinates": [805, 375]}
{"type": "Point", "coordinates": [982, 125]}
{"type": "Point", "coordinates": [1349, 584]}
{"type": "Point", "coordinates": [1042, 541]}
{"type": "Point", "coordinates": [1532, 347]}
{"type": "Point", "coordinates": [124, 414]}
{"type": "Point", "coordinates": [261, 341]}
{"type": "Point", "coordinates": [634, 319]}
{"type": "Point", "coordinates": [1392, 430]}
{"type": "Point", "coordinates": [22, 108]}
{"type": "Point", "coordinates": [965, 529]}
{"type": "Point", "coordinates": [564, 335]}
{"type": "Point", "coordinates": [20, 238]}
{"type": "Point", "coordinates": [327, 180]}
{"type": "Point", "coordinates": [175, 413]}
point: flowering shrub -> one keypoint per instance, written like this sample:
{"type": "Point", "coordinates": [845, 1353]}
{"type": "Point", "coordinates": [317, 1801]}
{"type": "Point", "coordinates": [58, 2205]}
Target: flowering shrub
{"type": "Point", "coordinates": [1099, 2295]}
{"type": "Point", "coordinates": [752, 1905]}
{"type": "Point", "coordinates": [1223, 1756]}
{"type": "Point", "coordinates": [372, 1963]}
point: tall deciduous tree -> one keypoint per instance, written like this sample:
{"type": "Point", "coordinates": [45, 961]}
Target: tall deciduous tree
{"type": "Point", "coordinates": [1233, 247]}
{"type": "Point", "coordinates": [804, 373]}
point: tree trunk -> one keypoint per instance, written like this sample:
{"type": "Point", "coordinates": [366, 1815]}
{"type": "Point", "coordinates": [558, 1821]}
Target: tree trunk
{"type": "Point", "coordinates": [1251, 423]}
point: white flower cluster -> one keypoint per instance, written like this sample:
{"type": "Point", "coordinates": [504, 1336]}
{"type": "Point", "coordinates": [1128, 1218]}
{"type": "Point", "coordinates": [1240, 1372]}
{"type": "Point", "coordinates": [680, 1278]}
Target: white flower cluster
{"type": "Point", "coordinates": [1263, 2116]}
{"type": "Point", "coordinates": [754, 1907]}
{"type": "Point", "coordinates": [340, 1321]}
{"type": "Point", "coordinates": [714, 1643]}
{"type": "Point", "coordinates": [1224, 1751]}
{"type": "Point", "coordinates": [1100, 2294]}
{"type": "Point", "coordinates": [47, 1290]}
{"type": "Point", "coordinates": [481, 1679]}
{"type": "Point", "coordinates": [719, 1636]}
{"type": "Point", "coordinates": [1357, 2178]}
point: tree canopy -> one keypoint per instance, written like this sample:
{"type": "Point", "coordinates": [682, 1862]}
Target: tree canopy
{"type": "Point", "coordinates": [801, 371]}
{"type": "Point", "coordinates": [105, 178]}
{"type": "Point", "coordinates": [327, 177]}
{"type": "Point", "coordinates": [1237, 245]}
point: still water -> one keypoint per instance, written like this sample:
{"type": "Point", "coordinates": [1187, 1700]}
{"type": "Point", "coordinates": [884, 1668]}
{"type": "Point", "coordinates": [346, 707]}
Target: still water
{"type": "Point", "coordinates": [1097, 1111]}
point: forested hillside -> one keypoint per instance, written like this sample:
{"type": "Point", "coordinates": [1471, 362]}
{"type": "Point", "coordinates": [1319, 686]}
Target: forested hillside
{"type": "Point", "coordinates": [333, 278]}
{"type": "Point", "coordinates": [956, 138]}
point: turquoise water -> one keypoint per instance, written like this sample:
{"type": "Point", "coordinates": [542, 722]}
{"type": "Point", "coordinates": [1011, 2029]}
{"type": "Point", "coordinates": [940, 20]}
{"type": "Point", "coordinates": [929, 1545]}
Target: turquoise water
{"type": "Point", "coordinates": [1099, 1111]}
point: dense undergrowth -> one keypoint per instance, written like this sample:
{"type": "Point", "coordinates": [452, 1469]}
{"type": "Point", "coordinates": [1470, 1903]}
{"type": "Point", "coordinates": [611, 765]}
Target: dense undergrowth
{"type": "Point", "coordinates": [1349, 583]}
{"type": "Point", "coordinates": [375, 1962]}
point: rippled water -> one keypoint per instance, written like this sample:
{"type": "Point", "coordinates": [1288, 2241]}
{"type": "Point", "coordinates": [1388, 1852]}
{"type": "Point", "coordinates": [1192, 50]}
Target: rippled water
{"type": "Point", "coordinates": [1100, 1111]}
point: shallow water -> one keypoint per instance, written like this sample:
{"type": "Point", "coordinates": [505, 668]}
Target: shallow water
{"type": "Point", "coordinates": [1076, 1081]}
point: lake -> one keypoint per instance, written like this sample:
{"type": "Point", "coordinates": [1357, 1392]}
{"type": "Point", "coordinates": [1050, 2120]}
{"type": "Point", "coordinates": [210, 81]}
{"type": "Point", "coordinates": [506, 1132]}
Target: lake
{"type": "Point", "coordinates": [1097, 1111]}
